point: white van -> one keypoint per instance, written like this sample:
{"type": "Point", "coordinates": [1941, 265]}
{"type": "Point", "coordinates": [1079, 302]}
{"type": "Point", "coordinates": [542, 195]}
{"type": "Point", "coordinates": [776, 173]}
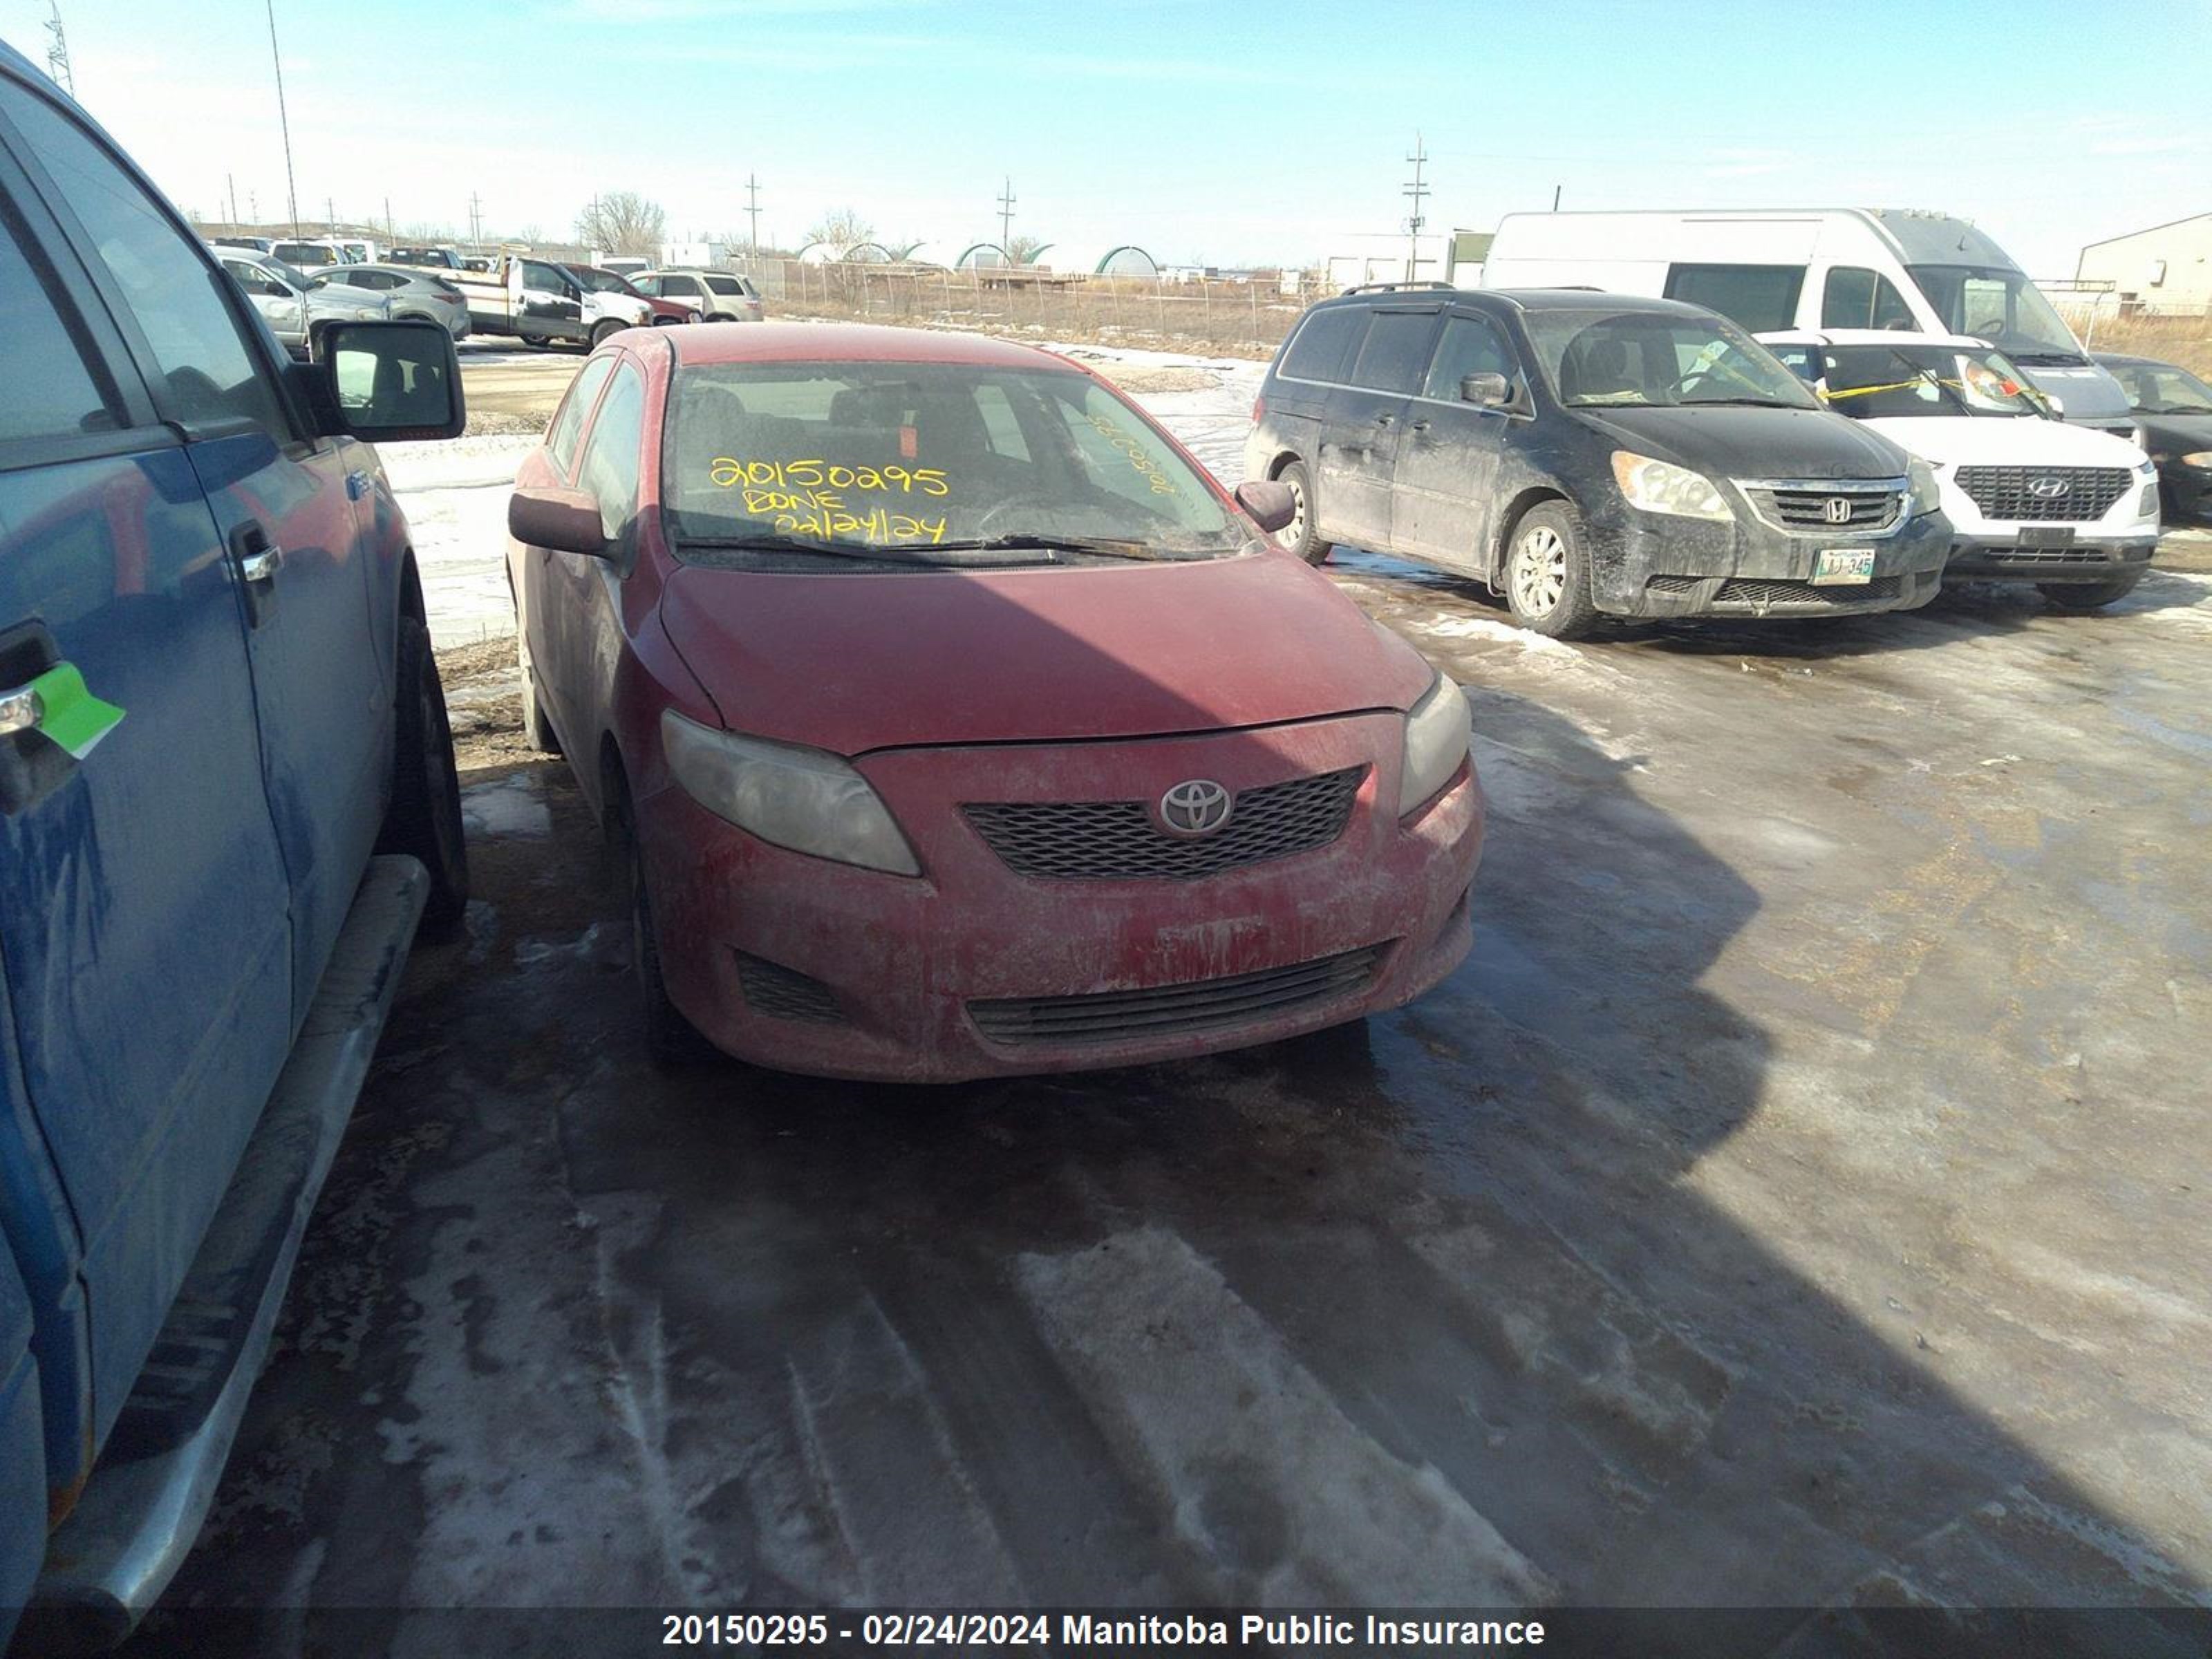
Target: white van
{"type": "Point", "coordinates": [1765, 270]}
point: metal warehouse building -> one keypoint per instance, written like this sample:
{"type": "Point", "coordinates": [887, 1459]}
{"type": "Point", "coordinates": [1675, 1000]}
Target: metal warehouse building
{"type": "Point", "coordinates": [2168, 268]}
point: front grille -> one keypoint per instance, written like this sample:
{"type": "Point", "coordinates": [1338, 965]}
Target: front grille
{"type": "Point", "coordinates": [2007, 492]}
{"type": "Point", "coordinates": [1203, 1004]}
{"type": "Point", "coordinates": [1804, 508]}
{"type": "Point", "coordinates": [2043, 556]}
{"type": "Point", "coordinates": [1117, 840]}
{"type": "Point", "coordinates": [783, 993]}
{"type": "Point", "coordinates": [1750, 590]}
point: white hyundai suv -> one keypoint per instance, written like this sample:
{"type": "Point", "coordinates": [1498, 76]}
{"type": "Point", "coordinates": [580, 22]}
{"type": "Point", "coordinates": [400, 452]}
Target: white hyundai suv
{"type": "Point", "coordinates": [2030, 499]}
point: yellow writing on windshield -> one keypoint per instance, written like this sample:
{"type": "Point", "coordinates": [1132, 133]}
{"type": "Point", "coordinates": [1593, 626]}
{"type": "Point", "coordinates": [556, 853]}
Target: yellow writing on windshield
{"type": "Point", "coordinates": [727, 473]}
{"type": "Point", "coordinates": [1133, 450]}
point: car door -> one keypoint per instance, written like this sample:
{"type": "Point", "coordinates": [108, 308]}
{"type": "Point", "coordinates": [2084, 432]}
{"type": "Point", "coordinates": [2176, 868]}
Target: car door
{"type": "Point", "coordinates": [685, 290]}
{"type": "Point", "coordinates": [546, 300]}
{"type": "Point", "coordinates": [585, 609]}
{"type": "Point", "coordinates": [283, 307]}
{"type": "Point", "coordinates": [283, 504]}
{"type": "Point", "coordinates": [539, 588]}
{"type": "Point", "coordinates": [1363, 420]}
{"type": "Point", "coordinates": [145, 921]}
{"type": "Point", "coordinates": [1447, 469]}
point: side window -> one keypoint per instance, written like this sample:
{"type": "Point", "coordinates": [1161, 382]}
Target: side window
{"type": "Point", "coordinates": [1855, 297]}
{"type": "Point", "coordinates": [536, 274]}
{"type": "Point", "coordinates": [175, 294]}
{"type": "Point", "coordinates": [681, 288]}
{"type": "Point", "coordinates": [1324, 343]}
{"type": "Point", "coordinates": [1395, 351]}
{"type": "Point", "coordinates": [51, 393]}
{"type": "Point", "coordinates": [251, 277]}
{"type": "Point", "coordinates": [1469, 346]}
{"type": "Point", "coordinates": [1798, 360]}
{"type": "Point", "coordinates": [609, 468]}
{"type": "Point", "coordinates": [566, 424]}
{"type": "Point", "coordinates": [1759, 298]}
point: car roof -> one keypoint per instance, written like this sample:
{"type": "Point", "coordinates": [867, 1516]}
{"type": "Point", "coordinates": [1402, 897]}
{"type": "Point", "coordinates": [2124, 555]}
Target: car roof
{"type": "Point", "coordinates": [796, 342]}
{"type": "Point", "coordinates": [1865, 336]}
{"type": "Point", "coordinates": [1525, 299]}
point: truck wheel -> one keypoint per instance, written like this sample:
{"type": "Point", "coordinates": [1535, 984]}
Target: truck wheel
{"type": "Point", "coordinates": [1548, 583]}
{"type": "Point", "coordinates": [536, 342]}
{"type": "Point", "coordinates": [535, 726]}
{"type": "Point", "coordinates": [671, 1040]}
{"type": "Point", "coordinates": [602, 333]}
{"type": "Point", "coordinates": [1302, 535]}
{"type": "Point", "coordinates": [2088, 596]}
{"type": "Point", "coordinates": [424, 819]}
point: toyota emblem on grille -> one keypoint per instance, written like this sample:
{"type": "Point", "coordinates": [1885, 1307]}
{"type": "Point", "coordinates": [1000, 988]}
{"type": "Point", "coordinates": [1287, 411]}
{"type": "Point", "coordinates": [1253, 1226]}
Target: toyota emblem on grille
{"type": "Point", "coordinates": [2049, 486]}
{"type": "Point", "coordinates": [1837, 509]}
{"type": "Point", "coordinates": [1197, 806]}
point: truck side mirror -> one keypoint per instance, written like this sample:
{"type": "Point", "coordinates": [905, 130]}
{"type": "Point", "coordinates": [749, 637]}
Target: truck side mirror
{"type": "Point", "coordinates": [390, 382]}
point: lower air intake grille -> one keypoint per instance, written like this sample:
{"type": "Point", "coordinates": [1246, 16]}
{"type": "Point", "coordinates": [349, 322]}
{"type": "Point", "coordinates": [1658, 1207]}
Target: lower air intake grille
{"type": "Point", "coordinates": [1750, 590]}
{"type": "Point", "coordinates": [785, 993]}
{"type": "Point", "coordinates": [1117, 840]}
{"type": "Point", "coordinates": [1204, 1004]}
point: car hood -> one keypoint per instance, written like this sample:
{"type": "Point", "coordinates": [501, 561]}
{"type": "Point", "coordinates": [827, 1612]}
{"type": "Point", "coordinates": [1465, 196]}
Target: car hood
{"type": "Point", "coordinates": [860, 662]}
{"type": "Point", "coordinates": [1752, 443]}
{"type": "Point", "coordinates": [1986, 440]}
{"type": "Point", "coordinates": [2177, 435]}
{"type": "Point", "coordinates": [2088, 391]}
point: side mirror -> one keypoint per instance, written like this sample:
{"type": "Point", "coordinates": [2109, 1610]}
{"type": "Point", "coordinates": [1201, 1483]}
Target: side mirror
{"type": "Point", "coordinates": [1485, 391]}
{"type": "Point", "coordinates": [2057, 405]}
{"type": "Point", "coordinates": [563, 520]}
{"type": "Point", "coordinates": [389, 382]}
{"type": "Point", "coordinates": [1270, 506]}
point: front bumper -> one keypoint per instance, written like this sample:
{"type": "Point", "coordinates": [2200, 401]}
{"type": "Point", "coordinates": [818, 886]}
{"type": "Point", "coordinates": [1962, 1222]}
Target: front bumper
{"type": "Point", "coordinates": [906, 979]}
{"type": "Point", "coordinates": [1648, 564]}
{"type": "Point", "coordinates": [2092, 557]}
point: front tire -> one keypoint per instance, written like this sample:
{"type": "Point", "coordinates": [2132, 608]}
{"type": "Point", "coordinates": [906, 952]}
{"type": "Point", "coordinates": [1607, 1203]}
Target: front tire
{"type": "Point", "coordinates": [424, 819]}
{"type": "Point", "coordinates": [1302, 536]}
{"type": "Point", "coordinates": [535, 342]}
{"type": "Point", "coordinates": [671, 1040]}
{"type": "Point", "coordinates": [2088, 596]}
{"type": "Point", "coordinates": [602, 333]}
{"type": "Point", "coordinates": [1548, 584]}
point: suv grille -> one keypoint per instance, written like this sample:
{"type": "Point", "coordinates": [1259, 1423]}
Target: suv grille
{"type": "Point", "coordinates": [1203, 1004]}
{"type": "Point", "coordinates": [1117, 840]}
{"type": "Point", "coordinates": [2008, 492]}
{"type": "Point", "coordinates": [1870, 506]}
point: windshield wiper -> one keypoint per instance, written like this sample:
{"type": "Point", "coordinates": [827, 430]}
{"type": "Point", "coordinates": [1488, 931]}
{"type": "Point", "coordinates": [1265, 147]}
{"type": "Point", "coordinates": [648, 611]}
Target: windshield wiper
{"type": "Point", "coordinates": [887, 553]}
{"type": "Point", "coordinates": [2056, 359]}
{"type": "Point", "coordinates": [1736, 402]}
{"type": "Point", "coordinates": [1031, 541]}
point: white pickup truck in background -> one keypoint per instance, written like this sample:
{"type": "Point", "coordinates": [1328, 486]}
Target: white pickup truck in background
{"type": "Point", "coordinates": [537, 302]}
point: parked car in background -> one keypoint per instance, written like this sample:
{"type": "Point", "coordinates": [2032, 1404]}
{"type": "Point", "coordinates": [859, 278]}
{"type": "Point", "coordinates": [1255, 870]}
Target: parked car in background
{"type": "Point", "coordinates": [624, 264]}
{"type": "Point", "coordinates": [423, 296]}
{"type": "Point", "coordinates": [534, 300]}
{"type": "Point", "coordinates": [309, 256]}
{"type": "Point", "coordinates": [357, 250]}
{"type": "Point", "coordinates": [1767, 269]}
{"type": "Point", "coordinates": [661, 312]}
{"type": "Point", "coordinates": [2173, 409]}
{"type": "Point", "coordinates": [1100, 777]}
{"type": "Point", "coordinates": [609, 300]}
{"type": "Point", "coordinates": [722, 297]}
{"type": "Point", "coordinates": [218, 709]}
{"type": "Point", "coordinates": [2029, 498]}
{"type": "Point", "coordinates": [1587, 454]}
{"type": "Point", "coordinates": [253, 244]}
{"type": "Point", "coordinates": [432, 258]}
{"type": "Point", "coordinates": [296, 307]}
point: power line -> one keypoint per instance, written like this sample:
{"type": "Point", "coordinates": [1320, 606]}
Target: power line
{"type": "Point", "coordinates": [284, 121]}
{"type": "Point", "coordinates": [1414, 191]}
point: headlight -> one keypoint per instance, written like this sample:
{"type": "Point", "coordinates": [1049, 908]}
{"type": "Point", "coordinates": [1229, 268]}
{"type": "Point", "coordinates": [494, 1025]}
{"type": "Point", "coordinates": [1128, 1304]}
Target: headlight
{"type": "Point", "coordinates": [2202, 457]}
{"type": "Point", "coordinates": [1926, 495]}
{"type": "Point", "coordinates": [1436, 738]}
{"type": "Point", "coordinates": [1659, 486]}
{"type": "Point", "coordinates": [370, 314]}
{"type": "Point", "coordinates": [802, 798]}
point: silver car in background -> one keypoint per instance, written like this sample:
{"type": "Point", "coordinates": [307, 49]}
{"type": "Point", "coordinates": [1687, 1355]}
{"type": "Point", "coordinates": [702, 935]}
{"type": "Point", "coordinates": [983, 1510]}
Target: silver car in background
{"type": "Point", "coordinates": [289, 300]}
{"type": "Point", "coordinates": [416, 295]}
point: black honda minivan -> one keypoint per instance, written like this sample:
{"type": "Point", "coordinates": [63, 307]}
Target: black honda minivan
{"type": "Point", "coordinates": [1588, 453]}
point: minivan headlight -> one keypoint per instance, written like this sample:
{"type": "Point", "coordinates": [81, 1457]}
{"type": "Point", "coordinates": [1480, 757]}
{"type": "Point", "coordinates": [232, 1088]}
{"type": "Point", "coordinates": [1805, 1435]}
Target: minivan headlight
{"type": "Point", "coordinates": [2202, 457]}
{"type": "Point", "coordinates": [803, 799]}
{"type": "Point", "coordinates": [1658, 486]}
{"type": "Point", "coordinates": [1437, 738]}
{"type": "Point", "coordinates": [1926, 497]}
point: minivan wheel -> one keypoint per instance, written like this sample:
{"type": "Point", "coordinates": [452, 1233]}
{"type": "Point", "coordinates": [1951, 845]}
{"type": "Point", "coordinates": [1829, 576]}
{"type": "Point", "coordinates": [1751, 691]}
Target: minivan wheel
{"type": "Point", "coordinates": [1548, 583]}
{"type": "Point", "coordinates": [424, 817]}
{"type": "Point", "coordinates": [1301, 535]}
{"type": "Point", "coordinates": [2088, 596]}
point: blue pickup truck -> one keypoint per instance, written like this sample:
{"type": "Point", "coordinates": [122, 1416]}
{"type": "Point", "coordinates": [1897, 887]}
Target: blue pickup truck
{"type": "Point", "coordinates": [226, 801]}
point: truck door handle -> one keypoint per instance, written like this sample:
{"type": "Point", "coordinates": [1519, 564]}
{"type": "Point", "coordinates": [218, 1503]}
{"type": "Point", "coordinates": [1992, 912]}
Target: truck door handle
{"type": "Point", "coordinates": [1420, 426]}
{"type": "Point", "coordinates": [258, 560]}
{"type": "Point", "coordinates": [49, 720]}
{"type": "Point", "coordinates": [1384, 420]}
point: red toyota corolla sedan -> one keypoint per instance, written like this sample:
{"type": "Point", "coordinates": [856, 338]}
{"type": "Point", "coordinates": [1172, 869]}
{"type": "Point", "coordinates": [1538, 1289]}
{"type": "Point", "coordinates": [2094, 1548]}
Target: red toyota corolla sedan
{"type": "Point", "coordinates": [953, 723]}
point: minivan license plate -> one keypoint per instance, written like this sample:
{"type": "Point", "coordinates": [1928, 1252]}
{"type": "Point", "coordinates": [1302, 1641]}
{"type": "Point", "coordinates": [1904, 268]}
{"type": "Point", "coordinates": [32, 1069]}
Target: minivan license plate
{"type": "Point", "coordinates": [1843, 565]}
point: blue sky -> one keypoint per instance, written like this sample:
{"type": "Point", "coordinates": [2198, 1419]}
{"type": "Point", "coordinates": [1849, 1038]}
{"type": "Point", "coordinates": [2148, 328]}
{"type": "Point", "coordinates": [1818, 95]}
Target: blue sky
{"type": "Point", "coordinates": [1227, 132]}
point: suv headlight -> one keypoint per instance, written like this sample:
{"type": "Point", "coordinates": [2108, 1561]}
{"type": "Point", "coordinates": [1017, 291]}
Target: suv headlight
{"type": "Point", "coordinates": [803, 799]}
{"type": "Point", "coordinates": [1926, 495]}
{"type": "Point", "coordinates": [1658, 486]}
{"type": "Point", "coordinates": [2202, 457]}
{"type": "Point", "coordinates": [1437, 738]}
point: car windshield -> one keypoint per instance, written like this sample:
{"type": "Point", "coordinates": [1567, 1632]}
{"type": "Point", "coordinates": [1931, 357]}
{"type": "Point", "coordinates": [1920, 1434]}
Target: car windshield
{"type": "Point", "coordinates": [1877, 382]}
{"type": "Point", "coordinates": [2162, 389]}
{"type": "Point", "coordinates": [1642, 359]}
{"type": "Point", "coordinates": [2001, 306]}
{"type": "Point", "coordinates": [908, 458]}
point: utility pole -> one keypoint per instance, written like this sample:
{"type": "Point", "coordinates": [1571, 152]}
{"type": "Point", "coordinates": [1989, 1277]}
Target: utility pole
{"type": "Point", "coordinates": [58, 63]}
{"type": "Point", "coordinates": [254, 207]}
{"type": "Point", "coordinates": [1556, 189]}
{"type": "Point", "coordinates": [475, 217]}
{"type": "Point", "coordinates": [284, 122]}
{"type": "Point", "coordinates": [389, 234]}
{"type": "Point", "coordinates": [752, 212]}
{"type": "Point", "coordinates": [1007, 221]}
{"type": "Point", "coordinates": [1414, 191]}
{"type": "Point", "coordinates": [330, 213]}
{"type": "Point", "coordinates": [230, 184]}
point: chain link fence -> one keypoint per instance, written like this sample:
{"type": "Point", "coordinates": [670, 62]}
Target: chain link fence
{"type": "Point", "coordinates": [1223, 316]}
